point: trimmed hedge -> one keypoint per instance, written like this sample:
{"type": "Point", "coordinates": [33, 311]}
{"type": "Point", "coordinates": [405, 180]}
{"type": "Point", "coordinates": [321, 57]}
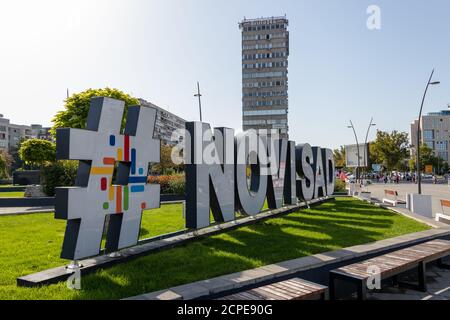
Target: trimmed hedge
{"type": "Point", "coordinates": [170, 184]}
{"type": "Point", "coordinates": [339, 186]}
{"type": "Point", "coordinates": [63, 173]}
{"type": "Point", "coordinates": [58, 174]}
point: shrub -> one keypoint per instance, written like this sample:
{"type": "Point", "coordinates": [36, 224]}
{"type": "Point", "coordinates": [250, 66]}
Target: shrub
{"type": "Point", "coordinates": [5, 164]}
{"type": "Point", "coordinates": [339, 186]}
{"type": "Point", "coordinates": [177, 186]}
{"type": "Point", "coordinates": [36, 152]}
{"type": "Point", "coordinates": [58, 174]}
{"type": "Point", "coordinates": [170, 184]}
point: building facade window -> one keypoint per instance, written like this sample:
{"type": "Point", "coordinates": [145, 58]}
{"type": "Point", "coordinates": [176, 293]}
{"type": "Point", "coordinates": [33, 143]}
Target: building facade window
{"type": "Point", "coordinates": [442, 145]}
{"type": "Point", "coordinates": [265, 112]}
{"type": "Point", "coordinates": [263, 75]}
{"type": "Point", "coordinates": [443, 155]}
{"type": "Point", "coordinates": [428, 134]}
{"type": "Point", "coordinates": [430, 144]}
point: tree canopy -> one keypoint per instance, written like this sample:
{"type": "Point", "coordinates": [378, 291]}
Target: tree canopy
{"type": "Point", "coordinates": [390, 149]}
{"type": "Point", "coordinates": [339, 157]}
{"type": "Point", "coordinates": [36, 152]}
{"type": "Point", "coordinates": [427, 157]}
{"type": "Point", "coordinates": [76, 107]}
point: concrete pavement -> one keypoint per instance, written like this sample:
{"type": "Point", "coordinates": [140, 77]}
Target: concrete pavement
{"type": "Point", "coordinates": [437, 191]}
{"type": "Point", "coordinates": [24, 210]}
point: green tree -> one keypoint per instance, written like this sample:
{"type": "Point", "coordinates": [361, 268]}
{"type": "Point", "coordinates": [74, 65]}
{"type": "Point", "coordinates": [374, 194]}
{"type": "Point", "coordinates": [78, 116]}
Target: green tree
{"type": "Point", "coordinates": [36, 152]}
{"type": "Point", "coordinates": [76, 107]}
{"type": "Point", "coordinates": [427, 157]}
{"type": "Point", "coordinates": [5, 164]}
{"type": "Point", "coordinates": [391, 149]}
{"type": "Point", "coordinates": [339, 157]}
{"type": "Point", "coordinates": [374, 155]}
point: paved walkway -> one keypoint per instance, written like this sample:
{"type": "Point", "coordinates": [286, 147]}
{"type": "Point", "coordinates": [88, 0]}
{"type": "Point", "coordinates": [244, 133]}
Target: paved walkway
{"type": "Point", "coordinates": [437, 191]}
{"type": "Point", "coordinates": [24, 210]}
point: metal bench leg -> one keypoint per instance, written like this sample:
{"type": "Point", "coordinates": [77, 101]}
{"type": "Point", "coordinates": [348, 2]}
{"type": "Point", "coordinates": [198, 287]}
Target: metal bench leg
{"type": "Point", "coordinates": [395, 281]}
{"type": "Point", "coordinates": [362, 290]}
{"type": "Point", "coordinates": [331, 287]}
{"type": "Point", "coordinates": [442, 265]}
{"type": "Point", "coordinates": [422, 276]}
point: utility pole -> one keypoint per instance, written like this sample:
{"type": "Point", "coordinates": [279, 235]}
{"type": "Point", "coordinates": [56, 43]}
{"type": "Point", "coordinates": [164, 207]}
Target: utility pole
{"type": "Point", "coordinates": [198, 94]}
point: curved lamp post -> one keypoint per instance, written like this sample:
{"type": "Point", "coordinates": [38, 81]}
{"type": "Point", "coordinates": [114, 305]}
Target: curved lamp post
{"type": "Point", "coordinates": [371, 124]}
{"type": "Point", "coordinates": [357, 148]}
{"type": "Point", "coordinates": [419, 178]}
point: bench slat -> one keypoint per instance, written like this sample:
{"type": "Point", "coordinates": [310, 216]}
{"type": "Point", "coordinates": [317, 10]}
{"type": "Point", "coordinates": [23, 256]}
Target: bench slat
{"type": "Point", "coordinates": [398, 260]}
{"type": "Point", "coordinates": [292, 289]}
{"type": "Point", "coordinates": [445, 203]}
{"type": "Point", "coordinates": [271, 293]}
{"type": "Point", "coordinates": [305, 284]}
{"type": "Point", "coordinates": [300, 293]}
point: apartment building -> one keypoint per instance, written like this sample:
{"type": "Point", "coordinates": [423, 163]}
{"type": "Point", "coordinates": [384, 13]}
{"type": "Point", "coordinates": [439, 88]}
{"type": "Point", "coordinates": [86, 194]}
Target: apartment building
{"type": "Point", "coordinates": [12, 134]}
{"type": "Point", "coordinates": [435, 133]}
{"type": "Point", "coordinates": [166, 123]}
{"type": "Point", "coordinates": [265, 51]}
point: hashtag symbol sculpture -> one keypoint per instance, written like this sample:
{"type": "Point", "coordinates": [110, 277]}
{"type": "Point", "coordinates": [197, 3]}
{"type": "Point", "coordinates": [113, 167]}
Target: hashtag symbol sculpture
{"type": "Point", "coordinates": [102, 150]}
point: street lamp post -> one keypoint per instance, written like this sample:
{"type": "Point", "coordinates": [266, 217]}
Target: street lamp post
{"type": "Point", "coordinates": [419, 178]}
{"type": "Point", "coordinates": [371, 124]}
{"type": "Point", "coordinates": [357, 148]}
{"type": "Point", "coordinates": [199, 96]}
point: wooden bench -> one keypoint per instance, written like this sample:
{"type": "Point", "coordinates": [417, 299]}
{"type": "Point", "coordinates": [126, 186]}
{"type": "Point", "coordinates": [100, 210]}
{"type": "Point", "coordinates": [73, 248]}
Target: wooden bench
{"type": "Point", "coordinates": [391, 196]}
{"type": "Point", "coordinates": [444, 217]}
{"type": "Point", "coordinates": [392, 264]}
{"type": "Point", "coordinates": [292, 289]}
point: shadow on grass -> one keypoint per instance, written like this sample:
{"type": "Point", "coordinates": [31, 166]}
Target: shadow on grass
{"type": "Point", "coordinates": [327, 227]}
{"type": "Point", "coordinates": [143, 232]}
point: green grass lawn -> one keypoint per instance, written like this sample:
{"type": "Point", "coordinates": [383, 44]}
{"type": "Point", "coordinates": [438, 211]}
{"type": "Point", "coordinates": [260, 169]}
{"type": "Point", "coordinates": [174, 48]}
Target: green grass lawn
{"type": "Point", "coordinates": [13, 194]}
{"type": "Point", "coordinates": [32, 243]}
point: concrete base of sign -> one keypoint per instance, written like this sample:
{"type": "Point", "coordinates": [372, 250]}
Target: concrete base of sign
{"type": "Point", "coordinates": [59, 274]}
{"type": "Point", "coordinates": [365, 195]}
{"type": "Point", "coordinates": [351, 187]}
{"type": "Point", "coordinates": [420, 204]}
{"type": "Point", "coordinates": [34, 191]}
{"type": "Point", "coordinates": [444, 218]}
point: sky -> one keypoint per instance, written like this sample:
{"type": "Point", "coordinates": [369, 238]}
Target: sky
{"type": "Point", "coordinates": [339, 70]}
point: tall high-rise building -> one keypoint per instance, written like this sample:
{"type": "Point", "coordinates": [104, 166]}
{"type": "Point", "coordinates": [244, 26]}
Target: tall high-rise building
{"type": "Point", "coordinates": [265, 51]}
{"type": "Point", "coordinates": [435, 133]}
